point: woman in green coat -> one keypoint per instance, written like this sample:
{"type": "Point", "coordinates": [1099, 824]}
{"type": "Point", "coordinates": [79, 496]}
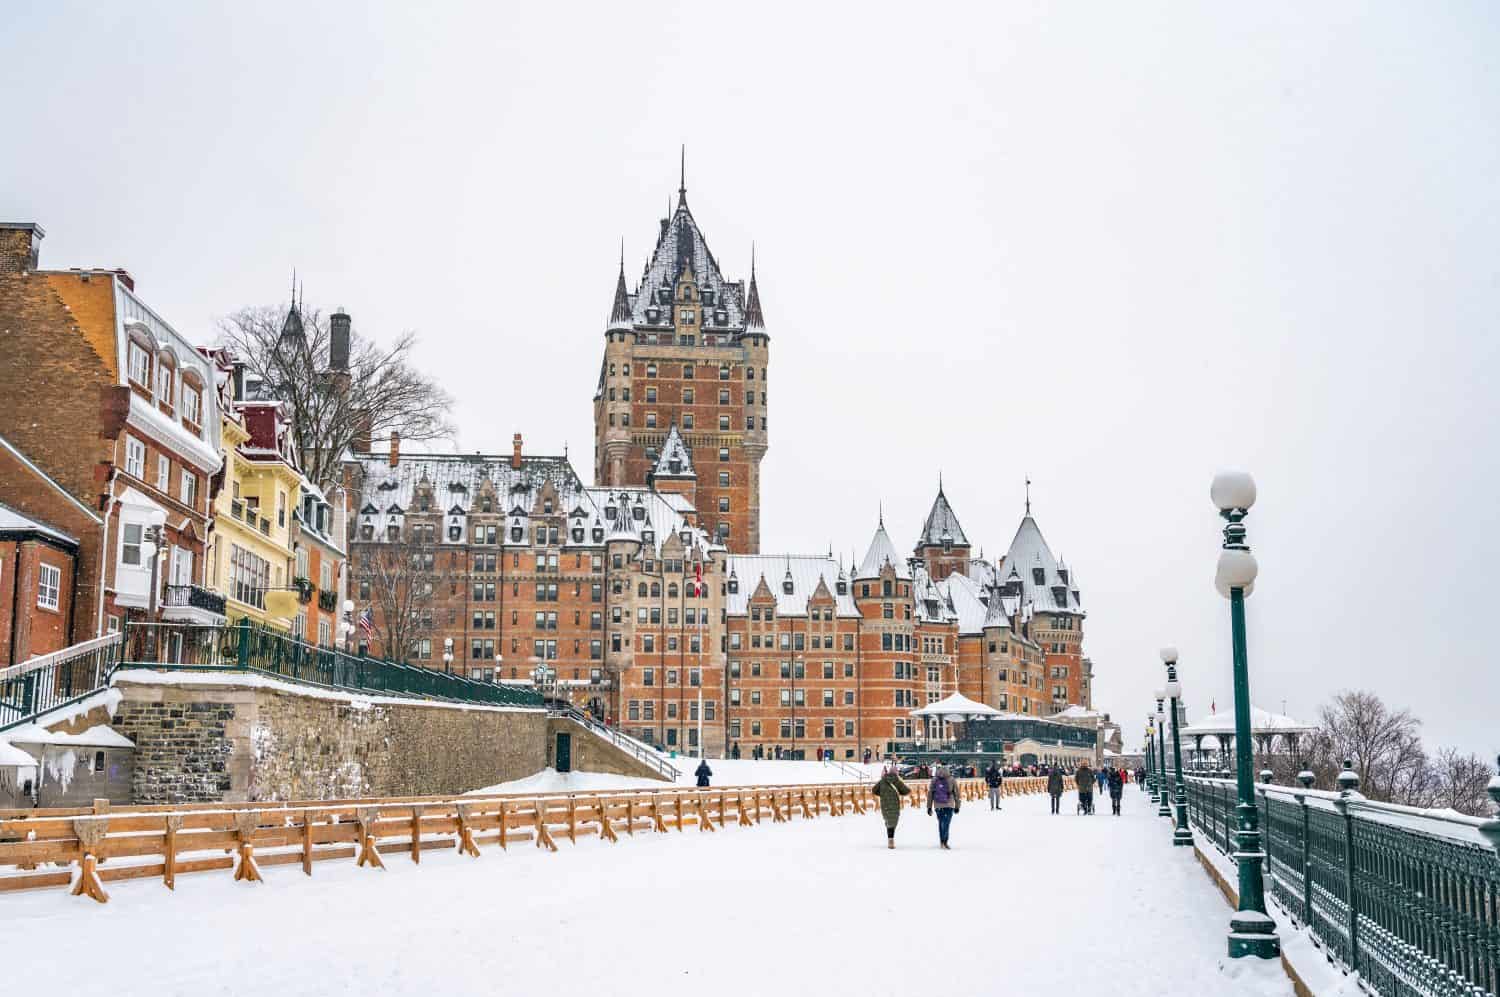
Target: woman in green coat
{"type": "Point", "coordinates": [890, 789]}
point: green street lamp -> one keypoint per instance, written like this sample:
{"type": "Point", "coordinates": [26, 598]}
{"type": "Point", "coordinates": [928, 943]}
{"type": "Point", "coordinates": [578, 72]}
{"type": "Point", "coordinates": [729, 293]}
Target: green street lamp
{"type": "Point", "coordinates": [1182, 835]}
{"type": "Point", "coordinates": [1251, 929]}
{"type": "Point", "coordinates": [1161, 754]}
{"type": "Point", "coordinates": [1151, 757]}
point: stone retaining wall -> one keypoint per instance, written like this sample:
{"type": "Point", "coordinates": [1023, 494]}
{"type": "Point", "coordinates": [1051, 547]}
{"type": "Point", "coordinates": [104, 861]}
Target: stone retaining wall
{"type": "Point", "coordinates": [216, 740]}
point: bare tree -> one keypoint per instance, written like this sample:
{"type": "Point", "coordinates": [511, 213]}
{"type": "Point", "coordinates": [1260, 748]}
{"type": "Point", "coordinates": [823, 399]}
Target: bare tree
{"type": "Point", "coordinates": [1384, 745]}
{"type": "Point", "coordinates": [1461, 782]}
{"type": "Point", "coordinates": [381, 391]}
{"type": "Point", "coordinates": [401, 578]}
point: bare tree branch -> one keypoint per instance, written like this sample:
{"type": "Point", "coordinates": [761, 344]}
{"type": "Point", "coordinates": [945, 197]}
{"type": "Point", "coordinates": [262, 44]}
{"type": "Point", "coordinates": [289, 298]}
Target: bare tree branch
{"type": "Point", "coordinates": [382, 391]}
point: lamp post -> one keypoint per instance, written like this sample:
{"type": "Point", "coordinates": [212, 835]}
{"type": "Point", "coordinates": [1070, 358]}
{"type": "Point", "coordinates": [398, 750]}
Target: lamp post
{"type": "Point", "coordinates": [448, 654]}
{"type": "Point", "coordinates": [1251, 929]}
{"type": "Point", "coordinates": [1150, 759]}
{"type": "Point", "coordinates": [1161, 754]}
{"type": "Point", "coordinates": [1183, 835]}
{"type": "Point", "coordinates": [151, 550]}
{"type": "Point", "coordinates": [346, 625]}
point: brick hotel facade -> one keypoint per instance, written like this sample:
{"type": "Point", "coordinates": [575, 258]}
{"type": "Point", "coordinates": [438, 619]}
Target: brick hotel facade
{"type": "Point", "coordinates": [520, 564]}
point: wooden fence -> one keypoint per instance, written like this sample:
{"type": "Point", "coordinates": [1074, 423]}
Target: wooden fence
{"type": "Point", "coordinates": [100, 845]}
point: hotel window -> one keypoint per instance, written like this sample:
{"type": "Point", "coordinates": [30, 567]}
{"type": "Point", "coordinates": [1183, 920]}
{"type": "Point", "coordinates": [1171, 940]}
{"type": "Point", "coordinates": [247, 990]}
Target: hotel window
{"type": "Point", "coordinates": [130, 544]}
{"type": "Point", "coordinates": [687, 372]}
{"type": "Point", "coordinates": [48, 585]}
{"type": "Point", "coordinates": [189, 488]}
{"type": "Point", "coordinates": [724, 424]}
{"type": "Point", "coordinates": [163, 474]}
{"type": "Point", "coordinates": [723, 479]}
{"type": "Point", "coordinates": [688, 398]}
{"type": "Point", "coordinates": [650, 420]}
{"type": "Point", "coordinates": [723, 396]}
{"type": "Point", "coordinates": [687, 420]}
{"type": "Point", "coordinates": [192, 405]}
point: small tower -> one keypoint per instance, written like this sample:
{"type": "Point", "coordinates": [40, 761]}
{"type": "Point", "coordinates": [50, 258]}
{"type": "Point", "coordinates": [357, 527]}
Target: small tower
{"type": "Point", "coordinates": [673, 473]}
{"type": "Point", "coordinates": [943, 547]}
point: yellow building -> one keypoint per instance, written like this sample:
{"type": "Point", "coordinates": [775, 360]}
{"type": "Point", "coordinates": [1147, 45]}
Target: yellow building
{"type": "Point", "coordinates": [250, 553]}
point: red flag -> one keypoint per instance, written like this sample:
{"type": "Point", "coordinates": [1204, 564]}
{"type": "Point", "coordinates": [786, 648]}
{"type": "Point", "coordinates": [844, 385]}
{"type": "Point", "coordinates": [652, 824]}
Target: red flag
{"type": "Point", "coordinates": [698, 579]}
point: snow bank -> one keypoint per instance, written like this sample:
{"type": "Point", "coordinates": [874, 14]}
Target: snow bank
{"type": "Point", "coordinates": [549, 780]}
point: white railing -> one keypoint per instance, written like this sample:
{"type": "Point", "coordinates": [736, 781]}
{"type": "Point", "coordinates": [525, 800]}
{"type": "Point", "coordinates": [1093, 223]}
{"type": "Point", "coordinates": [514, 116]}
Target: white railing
{"type": "Point", "coordinates": [42, 661]}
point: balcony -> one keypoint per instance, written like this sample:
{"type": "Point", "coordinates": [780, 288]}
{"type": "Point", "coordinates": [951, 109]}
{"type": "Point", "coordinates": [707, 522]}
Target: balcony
{"type": "Point", "coordinates": [328, 601]}
{"type": "Point", "coordinates": [192, 604]}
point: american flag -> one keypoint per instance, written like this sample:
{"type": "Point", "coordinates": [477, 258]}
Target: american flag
{"type": "Point", "coordinates": [367, 622]}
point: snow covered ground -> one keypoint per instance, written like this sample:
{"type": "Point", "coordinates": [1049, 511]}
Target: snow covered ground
{"type": "Point", "coordinates": [726, 772]}
{"type": "Point", "coordinates": [1026, 903]}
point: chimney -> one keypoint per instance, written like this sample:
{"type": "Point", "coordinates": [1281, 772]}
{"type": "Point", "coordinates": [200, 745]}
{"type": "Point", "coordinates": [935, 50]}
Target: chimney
{"type": "Point", "coordinates": [364, 430]}
{"type": "Point", "coordinates": [124, 277]}
{"type": "Point", "coordinates": [395, 448]}
{"type": "Point", "coordinates": [237, 375]}
{"type": "Point", "coordinates": [338, 340]}
{"type": "Point", "coordinates": [20, 246]}
{"type": "Point", "coordinates": [515, 452]}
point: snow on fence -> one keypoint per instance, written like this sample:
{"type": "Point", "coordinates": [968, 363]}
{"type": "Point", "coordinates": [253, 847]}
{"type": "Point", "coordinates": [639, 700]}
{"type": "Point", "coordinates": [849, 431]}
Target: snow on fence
{"type": "Point", "coordinates": [100, 845]}
{"type": "Point", "coordinates": [1409, 899]}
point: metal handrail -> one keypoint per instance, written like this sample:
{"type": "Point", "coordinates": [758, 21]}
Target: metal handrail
{"type": "Point", "coordinates": [1407, 898]}
{"type": "Point", "coordinates": [640, 751]}
{"type": "Point", "coordinates": [49, 682]}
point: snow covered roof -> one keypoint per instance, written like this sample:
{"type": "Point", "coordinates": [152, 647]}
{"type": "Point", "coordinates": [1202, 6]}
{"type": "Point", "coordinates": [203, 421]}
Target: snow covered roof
{"type": "Point", "coordinates": [13, 757]}
{"type": "Point", "coordinates": [681, 244]}
{"type": "Point", "coordinates": [806, 570]}
{"type": "Point", "coordinates": [1076, 712]}
{"type": "Point", "coordinates": [1261, 722]}
{"type": "Point", "coordinates": [12, 519]}
{"type": "Point", "coordinates": [100, 736]}
{"type": "Point", "coordinates": [1046, 585]}
{"type": "Point", "coordinates": [968, 601]}
{"type": "Point", "coordinates": [882, 551]}
{"type": "Point", "coordinates": [676, 461]}
{"type": "Point", "coordinates": [942, 525]}
{"type": "Point", "coordinates": [956, 705]}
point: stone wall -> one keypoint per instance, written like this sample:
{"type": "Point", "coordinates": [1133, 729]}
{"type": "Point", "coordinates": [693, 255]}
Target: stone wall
{"type": "Point", "coordinates": [218, 740]}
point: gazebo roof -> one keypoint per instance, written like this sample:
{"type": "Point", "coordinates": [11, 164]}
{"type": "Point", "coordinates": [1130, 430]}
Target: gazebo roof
{"type": "Point", "coordinates": [1261, 722]}
{"type": "Point", "coordinates": [958, 707]}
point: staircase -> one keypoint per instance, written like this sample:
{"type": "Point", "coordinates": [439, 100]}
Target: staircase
{"type": "Point", "coordinates": [49, 682]}
{"type": "Point", "coordinates": [639, 750]}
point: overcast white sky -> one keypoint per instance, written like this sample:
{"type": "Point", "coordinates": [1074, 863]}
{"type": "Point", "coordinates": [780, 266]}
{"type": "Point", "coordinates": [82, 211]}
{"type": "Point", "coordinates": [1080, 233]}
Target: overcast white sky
{"type": "Point", "coordinates": [1114, 246]}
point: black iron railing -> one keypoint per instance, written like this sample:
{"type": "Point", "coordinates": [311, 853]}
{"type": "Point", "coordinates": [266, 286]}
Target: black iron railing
{"type": "Point", "coordinates": [32, 688]}
{"type": "Point", "coordinates": [194, 596]}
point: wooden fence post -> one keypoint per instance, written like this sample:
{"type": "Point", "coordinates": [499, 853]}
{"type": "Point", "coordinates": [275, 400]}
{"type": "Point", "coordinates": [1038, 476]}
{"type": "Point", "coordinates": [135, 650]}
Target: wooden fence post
{"type": "Point", "coordinates": [248, 870]}
{"type": "Point", "coordinates": [90, 833]}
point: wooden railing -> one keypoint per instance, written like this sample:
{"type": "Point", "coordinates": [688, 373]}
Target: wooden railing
{"type": "Point", "coordinates": [99, 845]}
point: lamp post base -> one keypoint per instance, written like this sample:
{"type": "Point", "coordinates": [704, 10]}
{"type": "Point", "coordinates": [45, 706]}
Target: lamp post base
{"type": "Point", "coordinates": [1252, 933]}
{"type": "Point", "coordinates": [1162, 810]}
{"type": "Point", "coordinates": [1182, 836]}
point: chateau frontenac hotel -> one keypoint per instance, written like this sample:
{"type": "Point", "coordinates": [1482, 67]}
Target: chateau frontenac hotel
{"type": "Point", "coordinates": [527, 570]}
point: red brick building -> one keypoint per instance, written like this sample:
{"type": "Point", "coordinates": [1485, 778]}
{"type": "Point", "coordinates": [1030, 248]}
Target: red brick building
{"type": "Point", "coordinates": [687, 351]}
{"type": "Point", "coordinates": [118, 408]}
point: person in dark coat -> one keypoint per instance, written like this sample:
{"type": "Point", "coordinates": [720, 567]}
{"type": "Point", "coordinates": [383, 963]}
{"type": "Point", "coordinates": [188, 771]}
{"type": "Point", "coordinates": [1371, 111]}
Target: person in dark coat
{"type": "Point", "coordinates": [1055, 786]}
{"type": "Point", "coordinates": [1116, 789]}
{"type": "Point", "coordinates": [993, 778]}
{"type": "Point", "coordinates": [734, 752]}
{"type": "Point", "coordinates": [890, 789]}
{"type": "Point", "coordinates": [1084, 779]}
{"type": "Point", "coordinates": [703, 772]}
{"type": "Point", "coordinates": [942, 797]}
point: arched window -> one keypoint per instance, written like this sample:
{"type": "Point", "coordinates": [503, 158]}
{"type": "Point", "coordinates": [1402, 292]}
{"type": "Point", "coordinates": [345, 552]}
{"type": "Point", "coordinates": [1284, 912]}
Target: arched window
{"type": "Point", "coordinates": [656, 590]}
{"type": "Point", "coordinates": [165, 389]}
{"type": "Point", "coordinates": [641, 591]}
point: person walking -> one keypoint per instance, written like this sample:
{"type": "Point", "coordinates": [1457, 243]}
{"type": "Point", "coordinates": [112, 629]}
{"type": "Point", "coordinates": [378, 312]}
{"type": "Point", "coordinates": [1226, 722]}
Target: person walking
{"type": "Point", "coordinates": [993, 778]}
{"type": "Point", "coordinates": [942, 796]}
{"type": "Point", "coordinates": [1103, 776]}
{"type": "Point", "coordinates": [1116, 789]}
{"type": "Point", "coordinates": [889, 788]}
{"type": "Point", "coordinates": [703, 772]}
{"type": "Point", "coordinates": [1084, 780]}
{"type": "Point", "coordinates": [1055, 786]}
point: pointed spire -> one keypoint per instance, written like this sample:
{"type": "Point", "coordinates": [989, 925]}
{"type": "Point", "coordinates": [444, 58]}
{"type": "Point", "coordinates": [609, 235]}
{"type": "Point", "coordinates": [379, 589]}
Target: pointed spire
{"type": "Point", "coordinates": [291, 327]}
{"type": "Point", "coordinates": [682, 173]}
{"type": "Point", "coordinates": [619, 314]}
{"type": "Point", "coordinates": [753, 317]}
{"type": "Point", "coordinates": [1028, 494]}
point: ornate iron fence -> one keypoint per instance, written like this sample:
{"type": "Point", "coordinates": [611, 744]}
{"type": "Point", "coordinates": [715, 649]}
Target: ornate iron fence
{"type": "Point", "coordinates": [247, 648]}
{"type": "Point", "coordinates": [52, 681]}
{"type": "Point", "coordinates": [1408, 898]}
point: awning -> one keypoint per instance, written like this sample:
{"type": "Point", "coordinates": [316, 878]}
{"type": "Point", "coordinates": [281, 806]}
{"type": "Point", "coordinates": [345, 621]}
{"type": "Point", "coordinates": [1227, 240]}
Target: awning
{"type": "Point", "coordinates": [956, 707]}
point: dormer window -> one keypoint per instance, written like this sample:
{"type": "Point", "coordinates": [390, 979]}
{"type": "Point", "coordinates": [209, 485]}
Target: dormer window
{"type": "Point", "coordinates": [734, 585]}
{"type": "Point", "coordinates": [842, 587]}
{"type": "Point", "coordinates": [1038, 576]}
{"type": "Point", "coordinates": [578, 534]}
{"type": "Point", "coordinates": [648, 535]}
{"type": "Point", "coordinates": [1062, 573]}
{"type": "Point", "coordinates": [609, 513]}
{"type": "Point", "coordinates": [708, 296]}
{"type": "Point", "coordinates": [598, 534]}
{"type": "Point", "coordinates": [140, 364]}
{"type": "Point", "coordinates": [517, 534]}
{"type": "Point", "coordinates": [638, 513]}
{"type": "Point", "coordinates": [454, 532]}
{"type": "Point", "coordinates": [485, 505]}
{"type": "Point", "coordinates": [786, 585]}
{"type": "Point", "coordinates": [164, 384]}
{"type": "Point", "coordinates": [652, 314]}
{"type": "Point", "coordinates": [663, 296]}
{"type": "Point", "coordinates": [721, 317]}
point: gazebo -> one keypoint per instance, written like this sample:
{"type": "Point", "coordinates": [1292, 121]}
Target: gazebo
{"type": "Point", "coordinates": [1215, 733]}
{"type": "Point", "coordinates": [956, 708]}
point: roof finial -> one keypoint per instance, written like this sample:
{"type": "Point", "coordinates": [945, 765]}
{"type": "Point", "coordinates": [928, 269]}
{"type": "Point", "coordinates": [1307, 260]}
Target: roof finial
{"type": "Point", "coordinates": [940, 481]}
{"type": "Point", "coordinates": [752, 259]}
{"type": "Point", "coordinates": [1028, 494]}
{"type": "Point", "coordinates": [881, 513]}
{"type": "Point", "coordinates": [294, 287]}
{"type": "Point", "coordinates": [622, 256]}
{"type": "Point", "coordinates": [682, 174]}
